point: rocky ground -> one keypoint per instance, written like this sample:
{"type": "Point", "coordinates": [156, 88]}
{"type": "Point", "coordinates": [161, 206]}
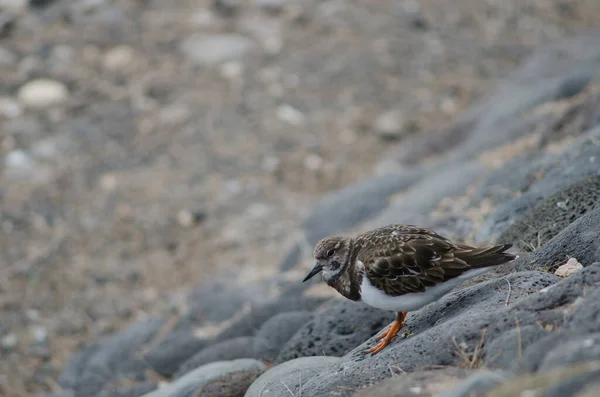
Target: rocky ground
{"type": "Point", "coordinates": [166, 167]}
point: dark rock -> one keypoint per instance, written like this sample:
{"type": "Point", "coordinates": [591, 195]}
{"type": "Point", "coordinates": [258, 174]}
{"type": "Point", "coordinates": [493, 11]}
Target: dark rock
{"type": "Point", "coordinates": [136, 390]}
{"type": "Point", "coordinates": [196, 380]}
{"type": "Point", "coordinates": [577, 295]}
{"type": "Point", "coordinates": [337, 328]}
{"type": "Point", "coordinates": [562, 382]}
{"type": "Point", "coordinates": [503, 352]}
{"type": "Point", "coordinates": [354, 204]}
{"type": "Point", "coordinates": [276, 331]}
{"type": "Point", "coordinates": [446, 332]}
{"type": "Point", "coordinates": [421, 383]}
{"type": "Point", "coordinates": [578, 161]}
{"type": "Point", "coordinates": [578, 240]}
{"type": "Point", "coordinates": [176, 348]}
{"type": "Point", "coordinates": [99, 366]}
{"type": "Point", "coordinates": [289, 377]}
{"type": "Point", "coordinates": [572, 351]}
{"type": "Point", "coordinates": [477, 384]}
{"type": "Point", "coordinates": [426, 194]}
{"type": "Point", "coordinates": [251, 323]}
{"type": "Point", "coordinates": [553, 214]}
{"type": "Point", "coordinates": [230, 385]}
{"type": "Point", "coordinates": [230, 349]}
{"type": "Point", "coordinates": [292, 258]}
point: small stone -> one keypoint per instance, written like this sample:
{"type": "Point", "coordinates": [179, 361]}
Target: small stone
{"type": "Point", "coordinates": [290, 115]}
{"type": "Point", "coordinates": [7, 58]}
{"type": "Point", "coordinates": [347, 136]}
{"type": "Point", "coordinates": [42, 93]}
{"type": "Point", "coordinates": [118, 58]}
{"type": "Point", "coordinates": [232, 69]}
{"type": "Point", "coordinates": [258, 210]}
{"type": "Point", "coordinates": [270, 163]}
{"type": "Point", "coordinates": [32, 314]}
{"type": "Point", "coordinates": [108, 182]}
{"type": "Point", "coordinates": [10, 108]}
{"type": "Point", "coordinates": [19, 160]}
{"type": "Point", "coordinates": [273, 45]}
{"type": "Point", "coordinates": [9, 341]}
{"type": "Point", "coordinates": [313, 162]}
{"type": "Point", "coordinates": [208, 50]}
{"type": "Point", "coordinates": [271, 5]}
{"type": "Point", "coordinates": [188, 218]}
{"type": "Point", "coordinates": [572, 266]}
{"type": "Point", "coordinates": [390, 125]}
{"type": "Point", "coordinates": [185, 218]}
{"type": "Point", "coordinates": [13, 5]}
{"type": "Point", "coordinates": [39, 334]}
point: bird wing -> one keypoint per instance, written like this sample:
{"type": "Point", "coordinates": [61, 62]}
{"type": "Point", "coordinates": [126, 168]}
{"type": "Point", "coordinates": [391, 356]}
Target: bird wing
{"type": "Point", "coordinates": [409, 259]}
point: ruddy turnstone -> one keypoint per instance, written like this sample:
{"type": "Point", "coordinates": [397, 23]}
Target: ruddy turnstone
{"type": "Point", "coordinates": [400, 268]}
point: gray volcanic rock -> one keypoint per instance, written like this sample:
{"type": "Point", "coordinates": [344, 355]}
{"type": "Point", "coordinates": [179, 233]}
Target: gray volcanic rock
{"type": "Point", "coordinates": [337, 327]}
{"type": "Point", "coordinates": [276, 332]}
{"type": "Point", "coordinates": [289, 377]}
{"type": "Point", "coordinates": [241, 347]}
{"type": "Point", "coordinates": [421, 383]}
{"type": "Point", "coordinates": [578, 240]}
{"type": "Point", "coordinates": [354, 204]}
{"type": "Point", "coordinates": [446, 332]}
{"type": "Point", "coordinates": [577, 161]}
{"type": "Point", "coordinates": [554, 214]}
{"type": "Point", "coordinates": [205, 375]}
{"type": "Point", "coordinates": [249, 324]}
{"type": "Point", "coordinates": [428, 192]}
{"type": "Point", "coordinates": [101, 365]}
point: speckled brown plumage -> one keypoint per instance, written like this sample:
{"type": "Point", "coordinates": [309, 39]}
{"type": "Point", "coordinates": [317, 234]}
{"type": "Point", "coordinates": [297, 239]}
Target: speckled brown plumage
{"type": "Point", "coordinates": [400, 261]}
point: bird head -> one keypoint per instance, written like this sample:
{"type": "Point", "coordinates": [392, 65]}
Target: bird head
{"type": "Point", "coordinates": [331, 255]}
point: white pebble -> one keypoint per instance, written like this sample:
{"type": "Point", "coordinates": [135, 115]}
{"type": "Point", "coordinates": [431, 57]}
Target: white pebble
{"type": "Point", "coordinates": [42, 93]}
{"type": "Point", "coordinates": [572, 266]}
{"type": "Point", "coordinates": [9, 341]}
{"type": "Point", "coordinates": [290, 115]}
{"type": "Point", "coordinates": [390, 124]}
{"type": "Point", "coordinates": [39, 334]}
{"type": "Point", "coordinates": [313, 162]}
{"type": "Point", "coordinates": [118, 58]}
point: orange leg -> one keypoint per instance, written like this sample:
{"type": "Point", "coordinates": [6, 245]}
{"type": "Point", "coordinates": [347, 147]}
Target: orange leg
{"type": "Point", "coordinates": [386, 337]}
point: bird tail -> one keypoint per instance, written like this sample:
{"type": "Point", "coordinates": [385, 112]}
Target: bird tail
{"type": "Point", "coordinates": [490, 255]}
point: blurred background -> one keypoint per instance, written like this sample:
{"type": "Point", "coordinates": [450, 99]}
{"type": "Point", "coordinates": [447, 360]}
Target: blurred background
{"type": "Point", "coordinates": [146, 146]}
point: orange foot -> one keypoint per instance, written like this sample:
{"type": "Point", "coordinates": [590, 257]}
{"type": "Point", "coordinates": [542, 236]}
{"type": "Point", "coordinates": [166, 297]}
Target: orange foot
{"type": "Point", "coordinates": [386, 337]}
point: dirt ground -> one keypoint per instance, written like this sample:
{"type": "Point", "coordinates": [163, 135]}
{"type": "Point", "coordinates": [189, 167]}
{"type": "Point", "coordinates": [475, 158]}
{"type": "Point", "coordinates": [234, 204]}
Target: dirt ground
{"type": "Point", "coordinates": [154, 167]}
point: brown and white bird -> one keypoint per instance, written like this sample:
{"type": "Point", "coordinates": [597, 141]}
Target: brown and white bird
{"type": "Point", "coordinates": [401, 268]}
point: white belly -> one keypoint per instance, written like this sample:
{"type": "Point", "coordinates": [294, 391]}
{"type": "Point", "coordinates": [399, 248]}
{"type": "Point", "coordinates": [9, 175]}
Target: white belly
{"type": "Point", "coordinates": [374, 297]}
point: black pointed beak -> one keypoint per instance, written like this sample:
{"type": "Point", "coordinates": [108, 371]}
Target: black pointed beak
{"type": "Point", "coordinates": [314, 271]}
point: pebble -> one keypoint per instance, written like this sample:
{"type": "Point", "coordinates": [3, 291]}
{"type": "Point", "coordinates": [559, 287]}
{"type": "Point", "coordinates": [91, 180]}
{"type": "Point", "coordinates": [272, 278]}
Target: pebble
{"type": "Point", "coordinates": [271, 5]}
{"type": "Point", "coordinates": [188, 218]}
{"type": "Point", "coordinates": [270, 163]}
{"type": "Point", "coordinates": [290, 115]}
{"type": "Point", "coordinates": [232, 69]}
{"type": "Point", "coordinates": [118, 58]}
{"type": "Point", "coordinates": [572, 266]}
{"type": "Point", "coordinates": [13, 5]}
{"type": "Point", "coordinates": [18, 161]}
{"type": "Point", "coordinates": [42, 93]}
{"type": "Point", "coordinates": [10, 108]}
{"type": "Point", "coordinates": [313, 162]}
{"type": "Point", "coordinates": [9, 341]}
{"type": "Point", "coordinates": [39, 334]}
{"type": "Point", "coordinates": [390, 124]}
{"type": "Point", "coordinates": [207, 50]}
{"type": "Point", "coordinates": [7, 58]}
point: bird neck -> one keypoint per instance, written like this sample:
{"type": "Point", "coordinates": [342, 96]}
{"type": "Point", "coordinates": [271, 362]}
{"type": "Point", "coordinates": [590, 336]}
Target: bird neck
{"type": "Point", "coordinates": [348, 283]}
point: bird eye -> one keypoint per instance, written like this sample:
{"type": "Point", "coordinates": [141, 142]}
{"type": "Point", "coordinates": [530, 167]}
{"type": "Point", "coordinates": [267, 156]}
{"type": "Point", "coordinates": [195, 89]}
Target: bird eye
{"type": "Point", "coordinates": [330, 252]}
